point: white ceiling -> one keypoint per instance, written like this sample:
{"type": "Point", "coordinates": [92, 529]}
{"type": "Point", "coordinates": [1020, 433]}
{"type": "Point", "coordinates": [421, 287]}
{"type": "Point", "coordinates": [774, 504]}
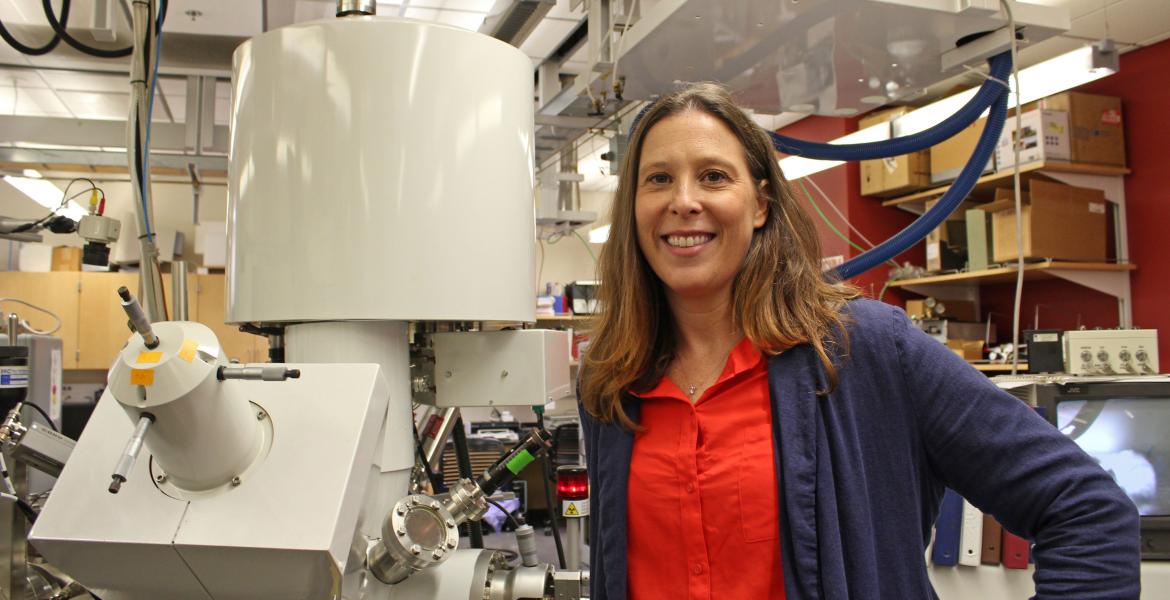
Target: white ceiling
{"type": "Point", "coordinates": [65, 84]}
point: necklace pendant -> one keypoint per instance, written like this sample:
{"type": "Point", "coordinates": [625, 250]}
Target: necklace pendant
{"type": "Point", "coordinates": [691, 390]}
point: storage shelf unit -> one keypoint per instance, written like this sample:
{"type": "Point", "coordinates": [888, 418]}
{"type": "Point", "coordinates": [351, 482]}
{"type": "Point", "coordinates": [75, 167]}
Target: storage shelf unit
{"type": "Point", "coordinates": [985, 185]}
{"type": "Point", "coordinates": [1108, 278]}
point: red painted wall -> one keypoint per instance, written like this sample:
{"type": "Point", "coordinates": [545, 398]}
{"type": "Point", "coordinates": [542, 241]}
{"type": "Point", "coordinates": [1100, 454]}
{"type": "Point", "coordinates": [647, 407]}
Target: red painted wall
{"type": "Point", "coordinates": [842, 185]}
{"type": "Point", "coordinates": [1145, 99]}
{"type": "Point", "coordinates": [1146, 109]}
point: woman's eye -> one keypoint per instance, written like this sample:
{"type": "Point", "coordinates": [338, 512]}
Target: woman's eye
{"type": "Point", "coordinates": [658, 178]}
{"type": "Point", "coordinates": [714, 177]}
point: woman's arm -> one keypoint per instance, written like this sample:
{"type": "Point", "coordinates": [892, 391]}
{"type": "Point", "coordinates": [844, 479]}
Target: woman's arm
{"type": "Point", "coordinates": [998, 453]}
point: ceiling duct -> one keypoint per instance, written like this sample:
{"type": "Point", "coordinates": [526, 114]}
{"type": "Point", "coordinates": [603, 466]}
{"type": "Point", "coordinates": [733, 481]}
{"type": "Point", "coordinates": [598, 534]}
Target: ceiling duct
{"type": "Point", "coordinates": [512, 21]}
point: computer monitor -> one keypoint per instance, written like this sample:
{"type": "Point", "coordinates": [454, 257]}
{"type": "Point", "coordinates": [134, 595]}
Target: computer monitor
{"type": "Point", "coordinates": [1125, 425]}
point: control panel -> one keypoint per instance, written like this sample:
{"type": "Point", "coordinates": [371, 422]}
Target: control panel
{"type": "Point", "coordinates": [1111, 352]}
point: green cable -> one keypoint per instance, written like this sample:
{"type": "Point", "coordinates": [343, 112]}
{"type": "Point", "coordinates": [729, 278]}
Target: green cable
{"type": "Point", "coordinates": [583, 241]}
{"type": "Point", "coordinates": [826, 218]}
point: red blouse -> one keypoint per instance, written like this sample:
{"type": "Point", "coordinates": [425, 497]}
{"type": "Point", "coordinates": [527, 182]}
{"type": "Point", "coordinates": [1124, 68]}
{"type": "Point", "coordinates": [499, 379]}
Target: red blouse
{"type": "Point", "coordinates": [703, 510]}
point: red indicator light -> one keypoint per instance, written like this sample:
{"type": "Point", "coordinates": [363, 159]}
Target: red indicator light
{"type": "Point", "coordinates": [572, 483]}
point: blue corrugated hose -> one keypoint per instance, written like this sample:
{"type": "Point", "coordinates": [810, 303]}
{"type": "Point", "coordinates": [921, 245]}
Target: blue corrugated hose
{"type": "Point", "coordinates": [958, 191]}
{"type": "Point", "coordinates": [993, 88]}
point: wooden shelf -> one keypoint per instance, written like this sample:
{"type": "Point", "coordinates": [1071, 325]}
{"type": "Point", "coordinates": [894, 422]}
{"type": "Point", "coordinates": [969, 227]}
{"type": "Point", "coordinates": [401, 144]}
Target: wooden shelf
{"type": "Point", "coordinates": [1049, 269]}
{"type": "Point", "coordinates": [997, 367]}
{"type": "Point", "coordinates": [984, 186]}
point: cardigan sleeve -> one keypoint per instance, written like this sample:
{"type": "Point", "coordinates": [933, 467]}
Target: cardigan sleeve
{"type": "Point", "coordinates": [596, 571]}
{"type": "Point", "coordinates": [1008, 461]}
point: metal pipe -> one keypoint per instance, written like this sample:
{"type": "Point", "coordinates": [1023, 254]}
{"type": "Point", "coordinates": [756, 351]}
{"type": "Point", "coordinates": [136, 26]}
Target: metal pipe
{"type": "Point", "coordinates": [13, 329]}
{"type": "Point", "coordinates": [130, 453]}
{"type": "Point", "coordinates": [179, 290]}
{"type": "Point", "coordinates": [138, 319]}
{"type": "Point", "coordinates": [347, 8]}
{"type": "Point", "coordinates": [573, 544]}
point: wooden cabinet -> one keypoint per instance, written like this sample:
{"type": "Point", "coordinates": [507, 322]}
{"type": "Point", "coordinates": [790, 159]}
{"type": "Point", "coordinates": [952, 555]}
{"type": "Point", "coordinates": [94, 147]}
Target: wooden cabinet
{"type": "Point", "coordinates": [103, 329]}
{"type": "Point", "coordinates": [94, 327]}
{"type": "Point", "coordinates": [57, 292]}
{"type": "Point", "coordinates": [211, 307]}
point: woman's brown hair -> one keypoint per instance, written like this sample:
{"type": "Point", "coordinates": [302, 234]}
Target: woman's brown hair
{"type": "Point", "coordinates": [780, 297]}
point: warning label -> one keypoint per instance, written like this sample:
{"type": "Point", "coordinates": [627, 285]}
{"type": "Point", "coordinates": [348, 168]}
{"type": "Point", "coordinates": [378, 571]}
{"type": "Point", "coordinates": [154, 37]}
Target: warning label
{"type": "Point", "coordinates": [575, 508]}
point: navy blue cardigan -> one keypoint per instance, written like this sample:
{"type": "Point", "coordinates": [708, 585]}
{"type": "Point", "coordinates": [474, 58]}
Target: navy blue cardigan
{"type": "Point", "coordinates": [861, 474]}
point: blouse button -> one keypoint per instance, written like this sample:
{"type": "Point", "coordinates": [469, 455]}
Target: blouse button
{"type": "Point", "coordinates": [698, 569]}
{"type": "Point", "coordinates": [690, 487]}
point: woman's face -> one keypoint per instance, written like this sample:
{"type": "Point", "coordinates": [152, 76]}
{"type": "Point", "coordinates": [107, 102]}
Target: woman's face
{"type": "Point", "coordinates": [696, 204]}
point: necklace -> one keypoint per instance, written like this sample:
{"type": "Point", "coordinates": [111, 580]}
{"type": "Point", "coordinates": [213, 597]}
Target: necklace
{"type": "Point", "coordinates": [693, 388]}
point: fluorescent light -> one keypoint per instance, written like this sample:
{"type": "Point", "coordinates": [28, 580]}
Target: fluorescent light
{"type": "Point", "coordinates": [43, 192]}
{"type": "Point", "coordinates": [1041, 80]}
{"type": "Point", "coordinates": [599, 235]}
{"type": "Point", "coordinates": [33, 173]}
{"type": "Point", "coordinates": [1055, 75]}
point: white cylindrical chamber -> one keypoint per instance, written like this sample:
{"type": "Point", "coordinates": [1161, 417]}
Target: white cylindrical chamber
{"type": "Point", "coordinates": [380, 169]}
{"type": "Point", "coordinates": [204, 432]}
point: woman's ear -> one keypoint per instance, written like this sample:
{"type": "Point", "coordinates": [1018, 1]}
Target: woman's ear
{"type": "Point", "coordinates": [761, 215]}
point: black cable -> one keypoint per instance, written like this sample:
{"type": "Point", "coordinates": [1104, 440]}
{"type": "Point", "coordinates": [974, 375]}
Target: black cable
{"type": "Point", "coordinates": [59, 29]}
{"type": "Point", "coordinates": [30, 513]}
{"type": "Point", "coordinates": [44, 414]}
{"type": "Point", "coordinates": [463, 458]}
{"type": "Point", "coordinates": [29, 50]}
{"type": "Point", "coordinates": [436, 481]}
{"type": "Point", "coordinates": [548, 497]}
{"type": "Point", "coordinates": [511, 518]}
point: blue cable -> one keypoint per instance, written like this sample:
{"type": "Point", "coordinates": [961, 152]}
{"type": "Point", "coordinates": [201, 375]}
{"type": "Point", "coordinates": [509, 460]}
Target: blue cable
{"type": "Point", "coordinates": [958, 191]}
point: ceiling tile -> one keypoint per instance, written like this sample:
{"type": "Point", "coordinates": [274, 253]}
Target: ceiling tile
{"type": "Point", "coordinates": [482, 6]}
{"type": "Point", "coordinates": [223, 109]}
{"type": "Point", "coordinates": [21, 77]}
{"type": "Point", "coordinates": [231, 18]}
{"type": "Point", "coordinates": [7, 106]}
{"type": "Point", "coordinates": [423, 14]}
{"type": "Point", "coordinates": [104, 106]}
{"type": "Point", "coordinates": [86, 82]}
{"type": "Point", "coordinates": [178, 106]}
{"type": "Point", "coordinates": [39, 103]}
{"type": "Point", "coordinates": [467, 20]}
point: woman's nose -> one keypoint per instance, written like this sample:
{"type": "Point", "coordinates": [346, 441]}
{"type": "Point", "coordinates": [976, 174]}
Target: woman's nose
{"type": "Point", "coordinates": [684, 199]}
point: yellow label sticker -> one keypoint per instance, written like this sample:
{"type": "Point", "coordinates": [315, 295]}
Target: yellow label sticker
{"type": "Point", "coordinates": [149, 357]}
{"type": "Point", "coordinates": [572, 511]}
{"type": "Point", "coordinates": [141, 377]}
{"type": "Point", "coordinates": [187, 350]}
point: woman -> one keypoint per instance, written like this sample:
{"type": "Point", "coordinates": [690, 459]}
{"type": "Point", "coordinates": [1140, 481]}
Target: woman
{"type": "Point", "coordinates": [755, 431]}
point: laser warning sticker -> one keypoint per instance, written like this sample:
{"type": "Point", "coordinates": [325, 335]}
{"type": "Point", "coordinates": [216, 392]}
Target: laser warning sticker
{"type": "Point", "coordinates": [187, 350]}
{"type": "Point", "coordinates": [575, 508]}
{"type": "Point", "coordinates": [141, 376]}
{"type": "Point", "coordinates": [148, 357]}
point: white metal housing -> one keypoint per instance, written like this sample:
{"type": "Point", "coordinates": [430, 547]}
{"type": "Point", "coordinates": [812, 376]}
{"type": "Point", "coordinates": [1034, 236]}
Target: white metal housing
{"type": "Point", "coordinates": [381, 169]}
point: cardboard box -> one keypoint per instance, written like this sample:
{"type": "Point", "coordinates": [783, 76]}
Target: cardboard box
{"type": "Point", "coordinates": [968, 349]}
{"type": "Point", "coordinates": [934, 308]}
{"type": "Point", "coordinates": [896, 175]}
{"type": "Point", "coordinates": [1060, 222]}
{"type": "Point", "coordinates": [887, 177]}
{"type": "Point", "coordinates": [949, 157]}
{"type": "Point", "coordinates": [1045, 136]}
{"type": "Point", "coordinates": [66, 258]}
{"type": "Point", "coordinates": [1097, 132]}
